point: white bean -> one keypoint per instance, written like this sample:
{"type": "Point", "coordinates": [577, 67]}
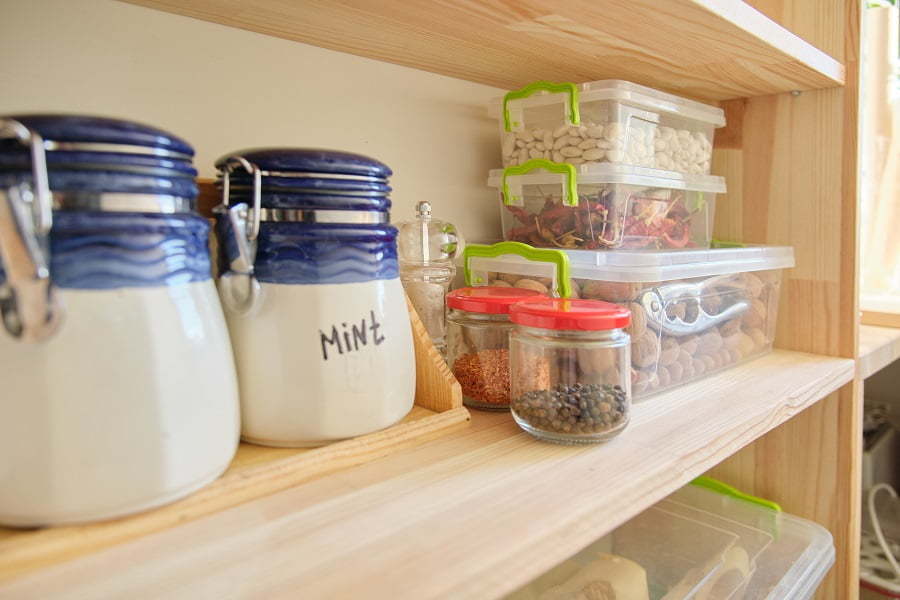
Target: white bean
{"type": "Point", "coordinates": [587, 144]}
{"type": "Point", "coordinates": [570, 151]}
{"type": "Point", "coordinates": [558, 157]}
{"type": "Point", "coordinates": [509, 144]}
{"type": "Point", "coordinates": [615, 156]}
{"type": "Point", "coordinates": [561, 130]}
{"type": "Point", "coordinates": [535, 153]}
{"type": "Point", "coordinates": [593, 154]}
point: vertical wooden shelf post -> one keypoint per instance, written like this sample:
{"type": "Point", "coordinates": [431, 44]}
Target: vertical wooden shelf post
{"type": "Point", "coordinates": [791, 161]}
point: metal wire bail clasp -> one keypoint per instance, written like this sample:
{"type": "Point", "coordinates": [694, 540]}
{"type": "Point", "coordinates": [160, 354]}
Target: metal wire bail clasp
{"type": "Point", "coordinates": [238, 286]}
{"type": "Point", "coordinates": [28, 302]}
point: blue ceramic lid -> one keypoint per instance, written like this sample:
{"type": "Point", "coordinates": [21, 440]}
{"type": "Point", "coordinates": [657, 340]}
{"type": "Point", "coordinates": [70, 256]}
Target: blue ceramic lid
{"type": "Point", "coordinates": [312, 160]}
{"type": "Point", "coordinates": [313, 185]}
{"type": "Point", "coordinates": [317, 201]}
{"type": "Point", "coordinates": [100, 182]}
{"type": "Point", "coordinates": [85, 129]}
{"type": "Point", "coordinates": [63, 160]}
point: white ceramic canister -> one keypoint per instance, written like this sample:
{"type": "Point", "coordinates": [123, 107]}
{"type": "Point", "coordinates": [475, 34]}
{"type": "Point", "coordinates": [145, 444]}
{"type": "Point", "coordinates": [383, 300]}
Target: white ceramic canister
{"type": "Point", "coordinates": [118, 385]}
{"type": "Point", "coordinates": [312, 295]}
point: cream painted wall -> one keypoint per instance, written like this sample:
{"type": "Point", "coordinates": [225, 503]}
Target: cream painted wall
{"type": "Point", "coordinates": [224, 89]}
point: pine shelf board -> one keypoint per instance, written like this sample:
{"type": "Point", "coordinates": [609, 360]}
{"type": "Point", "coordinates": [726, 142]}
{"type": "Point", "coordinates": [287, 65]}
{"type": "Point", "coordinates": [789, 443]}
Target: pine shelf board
{"type": "Point", "coordinates": [878, 347]}
{"type": "Point", "coordinates": [705, 49]}
{"type": "Point", "coordinates": [471, 515]}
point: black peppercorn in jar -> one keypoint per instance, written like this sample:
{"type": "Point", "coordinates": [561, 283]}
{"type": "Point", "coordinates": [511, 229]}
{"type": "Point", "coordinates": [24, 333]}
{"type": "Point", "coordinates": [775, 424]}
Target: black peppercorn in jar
{"type": "Point", "coordinates": [570, 369]}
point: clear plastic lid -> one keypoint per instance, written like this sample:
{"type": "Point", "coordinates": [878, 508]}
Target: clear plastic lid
{"type": "Point", "coordinates": [793, 565]}
{"type": "Point", "coordinates": [646, 266]}
{"type": "Point", "coordinates": [602, 173]}
{"type": "Point", "coordinates": [630, 93]}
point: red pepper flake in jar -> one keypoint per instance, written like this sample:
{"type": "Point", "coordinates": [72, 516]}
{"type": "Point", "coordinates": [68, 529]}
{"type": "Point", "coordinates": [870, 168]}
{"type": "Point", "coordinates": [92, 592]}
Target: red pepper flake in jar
{"type": "Point", "coordinates": [484, 377]}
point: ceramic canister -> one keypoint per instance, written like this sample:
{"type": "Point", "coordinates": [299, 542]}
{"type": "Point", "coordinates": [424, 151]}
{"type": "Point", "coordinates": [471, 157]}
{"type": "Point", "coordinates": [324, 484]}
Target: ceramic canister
{"type": "Point", "coordinates": [312, 295]}
{"type": "Point", "coordinates": [118, 384]}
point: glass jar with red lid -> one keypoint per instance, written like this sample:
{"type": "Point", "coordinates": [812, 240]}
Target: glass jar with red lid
{"type": "Point", "coordinates": [570, 365]}
{"type": "Point", "coordinates": [478, 330]}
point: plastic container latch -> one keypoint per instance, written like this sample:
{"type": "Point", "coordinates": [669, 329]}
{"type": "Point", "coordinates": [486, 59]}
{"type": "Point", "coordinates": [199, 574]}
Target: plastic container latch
{"type": "Point", "coordinates": [558, 258]}
{"type": "Point", "coordinates": [512, 115]}
{"type": "Point", "coordinates": [511, 186]}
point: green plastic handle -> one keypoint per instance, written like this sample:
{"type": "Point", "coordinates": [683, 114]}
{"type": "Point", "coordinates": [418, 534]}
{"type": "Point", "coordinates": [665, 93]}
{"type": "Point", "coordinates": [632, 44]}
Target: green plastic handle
{"type": "Point", "coordinates": [570, 189]}
{"type": "Point", "coordinates": [547, 255]}
{"type": "Point", "coordinates": [554, 88]}
{"type": "Point", "coordinates": [725, 489]}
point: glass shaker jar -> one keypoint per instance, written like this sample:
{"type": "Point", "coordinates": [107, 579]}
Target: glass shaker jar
{"type": "Point", "coordinates": [312, 295]}
{"type": "Point", "coordinates": [570, 366]}
{"type": "Point", "coordinates": [478, 330]}
{"type": "Point", "coordinates": [426, 249]}
{"type": "Point", "coordinates": [129, 400]}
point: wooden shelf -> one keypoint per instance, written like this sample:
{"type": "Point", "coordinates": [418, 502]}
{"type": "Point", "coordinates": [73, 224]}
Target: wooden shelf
{"type": "Point", "coordinates": [473, 514]}
{"type": "Point", "coordinates": [878, 347]}
{"type": "Point", "coordinates": [721, 49]}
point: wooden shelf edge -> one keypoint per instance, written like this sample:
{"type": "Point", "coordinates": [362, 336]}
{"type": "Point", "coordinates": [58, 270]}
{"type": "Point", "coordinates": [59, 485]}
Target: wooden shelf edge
{"type": "Point", "coordinates": [724, 49]}
{"type": "Point", "coordinates": [485, 508]}
{"type": "Point", "coordinates": [878, 347]}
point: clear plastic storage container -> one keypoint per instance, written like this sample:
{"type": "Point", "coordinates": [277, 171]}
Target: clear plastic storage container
{"type": "Point", "coordinates": [569, 369]}
{"type": "Point", "coordinates": [606, 121]}
{"type": "Point", "coordinates": [556, 205]}
{"type": "Point", "coordinates": [694, 312]}
{"type": "Point", "coordinates": [478, 329]}
{"type": "Point", "coordinates": [696, 545]}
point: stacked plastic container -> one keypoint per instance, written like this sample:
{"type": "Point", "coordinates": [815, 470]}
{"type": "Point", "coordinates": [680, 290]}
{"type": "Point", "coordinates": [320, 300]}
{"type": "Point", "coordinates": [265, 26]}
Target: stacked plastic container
{"type": "Point", "coordinates": [693, 312]}
{"type": "Point", "coordinates": [616, 175]}
{"type": "Point", "coordinates": [697, 544]}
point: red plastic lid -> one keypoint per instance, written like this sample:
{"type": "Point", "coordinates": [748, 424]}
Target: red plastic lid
{"type": "Point", "coordinates": [489, 300]}
{"type": "Point", "coordinates": [570, 315]}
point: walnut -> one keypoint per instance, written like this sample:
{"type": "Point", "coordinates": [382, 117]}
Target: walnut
{"type": "Point", "coordinates": [662, 373]}
{"type": "Point", "coordinates": [669, 351]}
{"type": "Point", "coordinates": [645, 350]}
{"type": "Point", "coordinates": [596, 361]}
{"type": "Point", "coordinates": [676, 372]}
{"type": "Point", "coordinates": [760, 340]}
{"type": "Point", "coordinates": [638, 320]}
{"type": "Point", "coordinates": [699, 366]}
{"type": "Point", "coordinates": [756, 314]}
{"type": "Point", "coordinates": [611, 291]}
{"type": "Point", "coordinates": [753, 284]}
{"type": "Point", "coordinates": [710, 342]}
{"type": "Point", "coordinates": [531, 284]}
{"type": "Point", "coordinates": [729, 327]}
{"type": "Point", "coordinates": [509, 278]}
{"type": "Point", "coordinates": [690, 343]}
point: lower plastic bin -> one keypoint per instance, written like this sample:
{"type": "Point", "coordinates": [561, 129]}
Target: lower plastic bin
{"type": "Point", "coordinates": [696, 545]}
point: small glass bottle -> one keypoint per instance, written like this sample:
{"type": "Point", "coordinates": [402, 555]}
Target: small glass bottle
{"type": "Point", "coordinates": [427, 248]}
{"type": "Point", "coordinates": [478, 342]}
{"type": "Point", "coordinates": [570, 367]}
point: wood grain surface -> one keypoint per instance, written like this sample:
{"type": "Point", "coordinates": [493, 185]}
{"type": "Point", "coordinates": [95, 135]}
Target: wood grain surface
{"type": "Point", "coordinates": [792, 174]}
{"type": "Point", "coordinates": [878, 347]}
{"type": "Point", "coordinates": [473, 514]}
{"type": "Point", "coordinates": [721, 48]}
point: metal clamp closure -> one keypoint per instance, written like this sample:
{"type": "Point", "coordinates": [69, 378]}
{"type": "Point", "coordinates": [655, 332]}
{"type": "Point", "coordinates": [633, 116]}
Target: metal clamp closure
{"type": "Point", "coordinates": [28, 303]}
{"type": "Point", "coordinates": [239, 288]}
{"type": "Point", "coordinates": [656, 301]}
